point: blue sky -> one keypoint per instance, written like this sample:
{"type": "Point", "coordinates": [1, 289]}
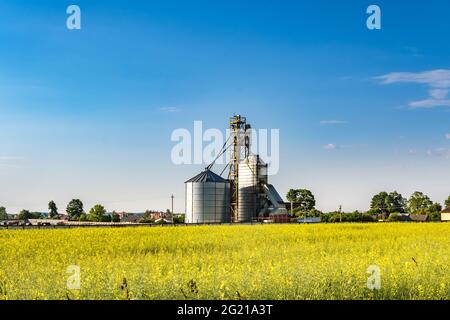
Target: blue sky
{"type": "Point", "coordinates": [88, 113]}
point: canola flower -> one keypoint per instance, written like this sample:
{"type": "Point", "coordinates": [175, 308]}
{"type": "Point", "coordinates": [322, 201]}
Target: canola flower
{"type": "Point", "coordinates": [326, 261]}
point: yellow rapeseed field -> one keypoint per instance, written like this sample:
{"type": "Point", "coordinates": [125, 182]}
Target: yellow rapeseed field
{"type": "Point", "coordinates": [323, 261]}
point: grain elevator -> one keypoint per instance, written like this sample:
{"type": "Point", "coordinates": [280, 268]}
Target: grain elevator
{"type": "Point", "coordinates": [245, 196]}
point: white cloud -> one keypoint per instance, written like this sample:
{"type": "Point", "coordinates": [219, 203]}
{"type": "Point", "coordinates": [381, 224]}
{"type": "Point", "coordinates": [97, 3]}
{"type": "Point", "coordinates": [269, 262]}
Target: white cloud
{"type": "Point", "coordinates": [429, 103]}
{"type": "Point", "coordinates": [332, 146]}
{"type": "Point", "coordinates": [331, 122]}
{"type": "Point", "coordinates": [447, 136]}
{"type": "Point", "coordinates": [169, 109]}
{"type": "Point", "coordinates": [437, 80]}
{"type": "Point", "coordinates": [10, 158]}
{"type": "Point", "coordinates": [10, 161]}
{"type": "Point", "coordinates": [439, 152]}
{"type": "Point", "coordinates": [438, 93]}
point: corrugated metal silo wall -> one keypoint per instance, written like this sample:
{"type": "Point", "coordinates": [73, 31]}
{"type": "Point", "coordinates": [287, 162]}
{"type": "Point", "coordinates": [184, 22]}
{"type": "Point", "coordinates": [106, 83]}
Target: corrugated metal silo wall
{"type": "Point", "coordinates": [208, 202]}
{"type": "Point", "coordinates": [247, 191]}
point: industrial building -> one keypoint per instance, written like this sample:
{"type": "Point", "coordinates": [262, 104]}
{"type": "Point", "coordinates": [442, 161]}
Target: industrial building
{"type": "Point", "coordinates": [245, 195]}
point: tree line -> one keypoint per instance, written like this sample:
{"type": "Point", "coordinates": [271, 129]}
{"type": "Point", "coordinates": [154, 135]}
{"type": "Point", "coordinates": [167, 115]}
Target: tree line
{"type": "Point", "coordinates": [75, 211]}
{"type": "Point", "coordinates": [383, 205]}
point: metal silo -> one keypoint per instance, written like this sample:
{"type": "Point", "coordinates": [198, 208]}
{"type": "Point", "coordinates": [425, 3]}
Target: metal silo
{"type": "Point", "coordinates": [252, 176]}
{"type": "Point", "coordinates": [207, 199]}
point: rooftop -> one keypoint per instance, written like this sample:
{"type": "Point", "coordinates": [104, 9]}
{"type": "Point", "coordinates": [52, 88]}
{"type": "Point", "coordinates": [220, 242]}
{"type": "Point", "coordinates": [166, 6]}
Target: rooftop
{"type": "Point", "coordinates": [419, 217]}
{"type": "Point", "coordinates": [207, 176]}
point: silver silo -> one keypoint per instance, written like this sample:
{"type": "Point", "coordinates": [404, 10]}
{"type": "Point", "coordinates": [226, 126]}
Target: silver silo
{"type": "Point", "coordinates": [252, 176]}
{"type": "Point", "coordinates": [208, 199]}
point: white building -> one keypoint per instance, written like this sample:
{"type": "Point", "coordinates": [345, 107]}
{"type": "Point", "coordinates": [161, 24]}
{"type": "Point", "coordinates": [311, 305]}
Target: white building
{"type": "Point", "coordinates": [445, 215]}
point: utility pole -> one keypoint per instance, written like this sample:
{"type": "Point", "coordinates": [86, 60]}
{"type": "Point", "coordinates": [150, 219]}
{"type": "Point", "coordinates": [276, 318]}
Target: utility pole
{"type": "Point", "coordinates": [172, 206]}
{"type": "Point", "coordinates": [340, 213]}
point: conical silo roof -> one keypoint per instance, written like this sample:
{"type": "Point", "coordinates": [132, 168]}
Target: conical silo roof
{"type": "Point", "coordinates": [207, 176]}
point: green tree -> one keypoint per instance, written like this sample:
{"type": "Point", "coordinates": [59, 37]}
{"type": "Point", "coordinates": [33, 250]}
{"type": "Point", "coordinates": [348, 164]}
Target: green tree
{"type": "Point", "coordinates": [292, 195]}
{"type": "Point", "coordinates": [380, 203]}
{"type": "Point", "coordinates": [37, 215]}
{"type": "Point", "coordinates": [335, 217]}
{"type": "Point", "coordinates": [147, 217]}
{"type": "Point", "coordinates": [178, 218]}
{"type": "Point", "coordinates": [98, 214]}
{"type": "Point", "coordinates": [395, 202]}
{"type": "Point", "coordinates": [25, 215]}
{"type": "Point", "coordinates": [434, 208]}
{"type": "Point", "coordinates": [447, 202]}
{"type": "Point", "coordinates": [385, 204]}
{"type": "Point", "coordinates": [115, 217]}
{"type": "Point", "coordinates": [313, 213]}
{"type": "Point", "coordinates": [3, 214]}
{"type": "Point", "coordinates": [53, 210]}
{"type": "Point", "coordinates": [303, 199]}
{"type": "Point", "coordinates": [435, 216]}
{"type": "Point", "coordinates": [75, 209]}
{"type": "Point", "coordinates": [419, 202]}
{"type": "Point", "coordinates": [434, 212]}
{"type": "Point", "coordinates": [394, 217]}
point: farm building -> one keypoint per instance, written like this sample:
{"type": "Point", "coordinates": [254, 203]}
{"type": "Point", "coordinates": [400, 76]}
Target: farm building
{"type": "Point", "coordinates": [162, 220]}
{"type": "Point", "coordinates": [131, 217]}
{"type": "Point", "coordinates": [157, 215]}
{"type": "Point", "coordinates": [445, 215]}
{"type": "Point", "coordinates": [419, 218]}
{"type": "Point", "coordinates": [44, 222]}
{"type": "Point", "coordinates": [309, 220]}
